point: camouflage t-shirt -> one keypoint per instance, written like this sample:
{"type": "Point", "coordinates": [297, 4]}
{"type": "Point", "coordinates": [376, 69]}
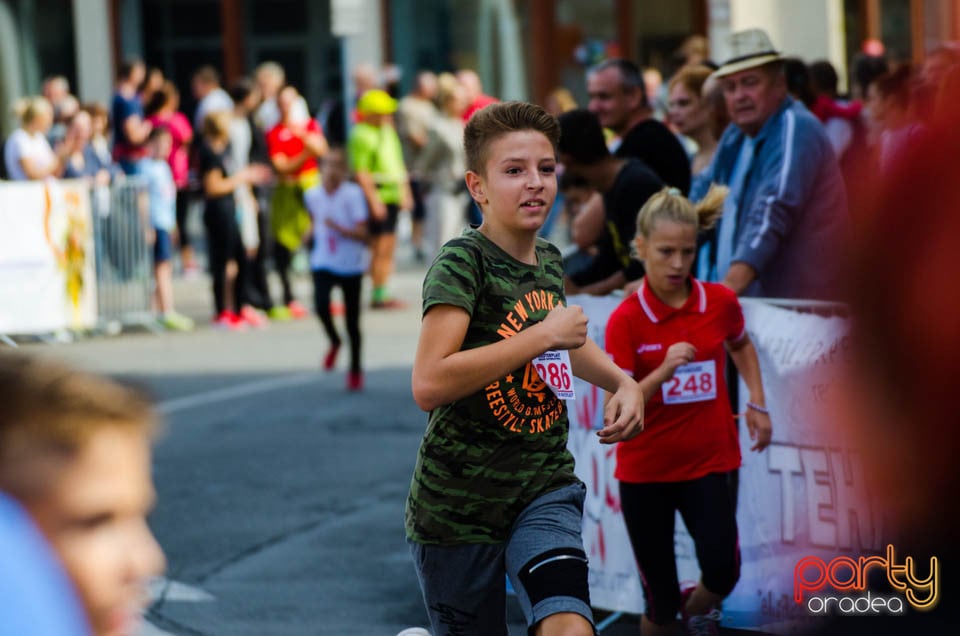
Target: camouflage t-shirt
{"type": "Point", "coordinates": [485, 457]}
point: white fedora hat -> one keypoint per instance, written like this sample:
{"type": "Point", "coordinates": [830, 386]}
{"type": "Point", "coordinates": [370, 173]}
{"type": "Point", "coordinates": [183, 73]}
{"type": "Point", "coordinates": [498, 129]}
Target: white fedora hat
{"type": "Point", "coordinates": [749, 49]}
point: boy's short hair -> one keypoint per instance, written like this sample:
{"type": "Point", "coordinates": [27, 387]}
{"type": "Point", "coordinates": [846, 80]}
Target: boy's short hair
{"type": "Point", "coordinates": [51, 411]}
{"type": "Point", "coordinates": [581, 137]}
{"type": "Point", "coordinates": [490, 123]}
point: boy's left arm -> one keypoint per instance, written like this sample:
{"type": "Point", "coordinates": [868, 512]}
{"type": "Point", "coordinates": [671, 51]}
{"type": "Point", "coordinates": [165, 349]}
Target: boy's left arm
{"type": "Point", "coordinates": [623, 412]}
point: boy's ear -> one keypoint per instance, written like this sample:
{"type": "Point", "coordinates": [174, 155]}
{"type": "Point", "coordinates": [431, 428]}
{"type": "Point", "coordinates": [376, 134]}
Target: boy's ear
{"type": "Point", "coordinates": [476, 187]}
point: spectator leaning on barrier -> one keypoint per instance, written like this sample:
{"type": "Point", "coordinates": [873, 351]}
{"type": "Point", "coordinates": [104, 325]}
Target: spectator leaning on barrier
{"type": "Point", "coordinates": [83, 160]}
{"type": "Point", "coordinates": [786, 216]}
{"type": "Point", "coordinates": [27, 154]}
{"type": "Point", "coordinates": [163, 109]}
{"type": "Point", "coordinates": [130, 130]}
{"type": "Point", "coordinates": [625, 184]}
{"type": "Point", "coordinates": [75, 453]}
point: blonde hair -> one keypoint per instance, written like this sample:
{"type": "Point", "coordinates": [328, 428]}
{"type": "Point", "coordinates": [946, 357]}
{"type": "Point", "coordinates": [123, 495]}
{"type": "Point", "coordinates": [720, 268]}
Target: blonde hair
{"type": "Point", "coordinates": [670, 205]}
{"type": "Point", "coordinates": [28, 108]}
{"type": "Point", "coordinates": [51, 411]}
{"type": "Point", "coordinates": [216, 125]}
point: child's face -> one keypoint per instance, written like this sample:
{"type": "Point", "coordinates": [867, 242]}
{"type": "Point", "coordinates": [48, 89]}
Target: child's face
{"type": "Point", "coordinates": [667, 255]}
{"type": "Point", "coordinates": [93, 512]}
{"type": "Point", "coordinates": [519, 182]}
{"type": "Point", "coordinates": [161, 146]}
{"type": "Point", "coordinates": [333, 167]}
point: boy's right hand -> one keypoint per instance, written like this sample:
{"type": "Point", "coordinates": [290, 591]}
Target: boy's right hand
{"type": "Point", "coordinates": [567, 327]}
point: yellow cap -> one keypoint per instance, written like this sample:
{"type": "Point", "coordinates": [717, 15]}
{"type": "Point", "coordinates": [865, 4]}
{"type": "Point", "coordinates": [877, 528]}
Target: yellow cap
{"type": "Point", "coordinates": [376, 102]}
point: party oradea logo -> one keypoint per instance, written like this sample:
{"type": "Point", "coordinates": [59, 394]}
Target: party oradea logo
{"type": "Point", "coordinates": [841, 586]}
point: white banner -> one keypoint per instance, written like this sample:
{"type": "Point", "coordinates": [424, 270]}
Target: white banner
{"type": "Point", "coordinates": [47, 273]}
{"type": "Point", "coordinates": [805, 495]}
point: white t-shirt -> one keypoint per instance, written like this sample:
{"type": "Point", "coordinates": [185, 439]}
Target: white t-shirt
{"type": "Point", "coordinates": [332, 251]}
{"type": "Point", "coordinates": [214, 101]}
{"type": "Point", "coordinates": [22, 145]}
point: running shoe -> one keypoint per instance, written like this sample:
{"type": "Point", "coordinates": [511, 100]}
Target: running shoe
{"type": "Point", "coordinates": [390, 303]}
{"type": "Point", "coordinates": [230, 321]}
{"type": "Point", "coordinates": [253, 317]}
{"type": "Point", "coordinates": [176, 322]}
{"type": "Point", "coordinates": [330, 360]}
{"type": "Point", "coordinates": [355, 383]}
{"type": "Point", "coordinates": [279, 313]}
{"type": "Point", "coordinates": [337, 309]}
{"type": "Point", "coordinates": [297, 310]}
{"type": "Point", "coordinates": [703, 624]}
{"type": "Point", "coordinates": [698, 624]}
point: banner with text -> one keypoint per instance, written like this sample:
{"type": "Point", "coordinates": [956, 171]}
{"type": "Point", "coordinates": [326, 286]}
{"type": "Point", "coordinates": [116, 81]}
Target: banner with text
{"type": "Point", "coordinates": [47, 274]}
{"type": "Point", "coordinates": [804, 495]}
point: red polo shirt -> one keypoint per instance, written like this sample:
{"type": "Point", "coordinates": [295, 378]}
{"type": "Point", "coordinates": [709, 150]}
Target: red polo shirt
{"type": "Point", "coordinates": [689, 430]}
{"type": "Point", "coordinates": [282, 141]}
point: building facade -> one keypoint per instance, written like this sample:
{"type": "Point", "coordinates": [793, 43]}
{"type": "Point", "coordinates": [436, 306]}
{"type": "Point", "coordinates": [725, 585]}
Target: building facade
{"type": "Point", "coordinates": [522, 49]}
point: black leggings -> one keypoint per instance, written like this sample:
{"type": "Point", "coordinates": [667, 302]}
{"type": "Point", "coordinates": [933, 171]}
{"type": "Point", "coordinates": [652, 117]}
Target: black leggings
{"type": "Point", "coordinates": [323, 283]}
{"type": "Point", "coordinates": [224, 244]}
{"type": "Point", "coordinates": [282, 258]}
{"type": "Point", "coordinates": [259, 289]}
{"type": "Point", "coordinates": [183, 209]}
{"type": "Point", "coordinates": [649, 511]}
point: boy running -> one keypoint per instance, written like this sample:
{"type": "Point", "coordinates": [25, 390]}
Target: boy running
{"type": "Point", "coordinates": [494, 491]}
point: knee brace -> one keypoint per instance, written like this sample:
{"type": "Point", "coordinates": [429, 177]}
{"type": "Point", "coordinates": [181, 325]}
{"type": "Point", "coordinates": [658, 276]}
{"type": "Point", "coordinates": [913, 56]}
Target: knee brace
{"type": "Point", "coordinates": [557, 572]}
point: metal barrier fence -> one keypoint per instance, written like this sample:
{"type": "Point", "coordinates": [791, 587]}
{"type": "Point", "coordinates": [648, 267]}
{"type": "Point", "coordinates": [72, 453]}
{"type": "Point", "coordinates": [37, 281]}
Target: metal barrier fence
{"type": "Point", "coordinates": [121, 225]}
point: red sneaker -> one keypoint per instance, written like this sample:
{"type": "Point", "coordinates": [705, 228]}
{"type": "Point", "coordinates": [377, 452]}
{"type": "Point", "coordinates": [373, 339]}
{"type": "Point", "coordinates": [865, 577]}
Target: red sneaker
{"type": "Point", "coordinates": [337, 309]}
{"type": "Point", "coordinates": [252, 317]}
{"type": "Point", "coordinates": [330, 360]}
{"type": "Point", "coordinates": [228, 320]}
{"type": "Point", "coordinates": [355, 381]}
{"type": "Point", "coordinates": [297, 310]}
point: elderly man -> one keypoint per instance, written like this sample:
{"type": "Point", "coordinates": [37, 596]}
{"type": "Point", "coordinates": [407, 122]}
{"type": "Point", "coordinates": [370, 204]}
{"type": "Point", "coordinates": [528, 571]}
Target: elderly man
{"type": "Point", "coordinates": [786, 216]}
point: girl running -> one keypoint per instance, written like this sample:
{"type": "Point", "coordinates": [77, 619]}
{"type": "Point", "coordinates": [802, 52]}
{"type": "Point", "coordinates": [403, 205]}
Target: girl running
{"type": "Point", "coordinates": [673, 335]}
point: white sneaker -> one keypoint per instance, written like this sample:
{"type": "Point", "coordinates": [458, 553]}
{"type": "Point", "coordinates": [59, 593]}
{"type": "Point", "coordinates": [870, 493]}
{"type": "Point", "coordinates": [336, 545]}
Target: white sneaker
{"type": "Point", "coordinates": [414, 631]}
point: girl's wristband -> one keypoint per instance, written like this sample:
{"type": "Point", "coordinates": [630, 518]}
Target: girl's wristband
{"type": "Point", "coordinates": [757, 408]}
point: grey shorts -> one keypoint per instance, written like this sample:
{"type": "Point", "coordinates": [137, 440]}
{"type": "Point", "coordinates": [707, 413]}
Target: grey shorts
{"type": "Point", "coordinates": [464, 586]}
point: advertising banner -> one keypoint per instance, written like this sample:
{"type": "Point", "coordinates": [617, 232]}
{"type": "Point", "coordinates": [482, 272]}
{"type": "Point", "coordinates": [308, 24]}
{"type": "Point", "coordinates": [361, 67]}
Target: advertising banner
{"type": "Point", "coordinates": [47, 273]}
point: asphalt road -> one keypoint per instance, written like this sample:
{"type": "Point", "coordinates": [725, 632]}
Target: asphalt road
{"type": "Point", "coordinates": [280, 494]}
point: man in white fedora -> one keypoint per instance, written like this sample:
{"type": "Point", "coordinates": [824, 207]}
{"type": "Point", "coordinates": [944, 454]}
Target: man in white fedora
{"type": "Point", "coordinates": [786, 216]}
